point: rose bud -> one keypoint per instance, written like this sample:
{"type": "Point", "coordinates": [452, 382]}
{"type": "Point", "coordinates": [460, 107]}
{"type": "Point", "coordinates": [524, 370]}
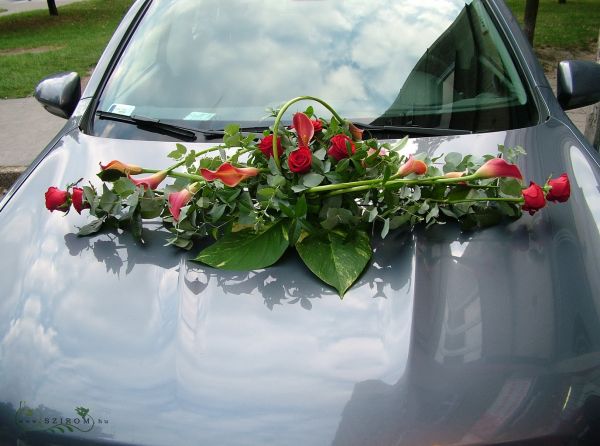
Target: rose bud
{"type": "Point", "coordinates": [57, 200]}
{"type": "Point", "coordinates": [561, 189]}
{"type": "Point", "coordinates": [497, 167]}
{"type": "Point", "coordinates": [299, 161]}
{"type": "Point", "coordinates": [534, 198]}
{"type": "Point", "coordinates": [228, 174]}
{"type": "Point", "coordinates": [266, 146]}
{"type": "Point", "coordinates": [412, 165]}
{"type": "Point", "coordinates": [77, 199]}
{"type": "Point", "coordinates": [151, 182]}
{"type": "Point", "coordinates": [339, 147]}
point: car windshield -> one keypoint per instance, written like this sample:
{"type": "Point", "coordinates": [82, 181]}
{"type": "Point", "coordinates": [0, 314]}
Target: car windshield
{"type": "Point", "coordinates": [202, 64]}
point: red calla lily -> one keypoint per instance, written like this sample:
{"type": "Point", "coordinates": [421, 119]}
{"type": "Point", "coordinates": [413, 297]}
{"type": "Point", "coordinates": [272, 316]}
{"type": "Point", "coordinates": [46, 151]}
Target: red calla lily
{"type": "Point", "coordinates": [228, 174]}
{"type": "Point", "coordinates": [151, 182]}
{"type": "Point", "coordinates": [497, 167]}
{"type": "Point", "coordinates": [177, 200]}
{"type": "Point", "coordinates": [304, 129]}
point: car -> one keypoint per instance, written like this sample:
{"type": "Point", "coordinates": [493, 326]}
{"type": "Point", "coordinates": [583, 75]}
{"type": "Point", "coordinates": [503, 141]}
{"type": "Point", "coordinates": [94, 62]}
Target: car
{"type": "Point", "coordinates": [449, 337]}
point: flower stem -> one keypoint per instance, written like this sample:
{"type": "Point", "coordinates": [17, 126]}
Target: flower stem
{"type": "Point", "coordinates": [466, 200]}
{"type": "Point", "coordinates": [280, 116]}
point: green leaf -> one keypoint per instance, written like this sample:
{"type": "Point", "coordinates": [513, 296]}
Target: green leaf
{"type": "Point", "coordinates": [110, 175]}
{"type": "Point", "coordinates": [386, 228]}
{"type": "Point", "coordinates": [275, 180]}
{"type": "Point", "coordinates": [109, 199]}
{"type": "Point", "coordinates": [299, 188]}
{"type": "Point", "coordinates": [246, 250]}
{"type": "Point", "coordinates": [320, 154]}
{"type": "Point", "coordinates": [400, 144]}
{"type": "Point", "coordinates": [342, 165]}
{"type": "Point", "coordinates": [336, 259]}
{"type": "Point", "coordinates": [91, 228]}
{"type": "Point", "coordinates": [453, 158]}
{"type": "Point", "coordinates": [150, 206]}
{"type": "Point", "coordinates": [509, 187]}
{"type": "Point", "coordinates": [217, 212]}
{"type": "Point", "coordinates": [301, 207]}
{"type": "Point", "coordinates": [372, 214]}
{"type": "Point", "coordinates": [312, 179]}
{"type": "Point", "coordinates": [136, 225]}
{"type": "Point", "coordinates": [123, 187]}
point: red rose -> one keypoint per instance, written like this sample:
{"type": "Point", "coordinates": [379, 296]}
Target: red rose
{"type": "Point", "coordinates": [299, 161]}
{"type": "Point", "coordinates": [338, 149]}
{"type": "Point", "coordinates": [561, 189]}
{"type": "Point", "coordinates": [317, 124]}
{"type": "Point", "coordinates": [57, 200]}
{"type": "Point", "coordinates": [266, 146]}
{"type": "Point", "coordinates": [534, 198]}
{"type": "Point", "coordinates": [77, 199]}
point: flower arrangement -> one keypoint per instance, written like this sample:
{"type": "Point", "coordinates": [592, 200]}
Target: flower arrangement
{"type": "Point", "coordinates": [317, 186]}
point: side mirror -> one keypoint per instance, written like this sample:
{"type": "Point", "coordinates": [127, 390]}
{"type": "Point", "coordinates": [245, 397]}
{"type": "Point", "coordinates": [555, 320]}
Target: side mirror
{"type": "Point", "coordinates": [59, 93]}
{"type": "Point", "coordinates": [577, 83]}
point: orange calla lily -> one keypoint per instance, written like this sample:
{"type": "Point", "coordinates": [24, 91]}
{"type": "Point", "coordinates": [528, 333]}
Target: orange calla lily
{"type": "Point", "coordinates": [229, 175]}
{"type": "Point", "coordinates": [412, 165]}
{"type": "Point", "coordinates": [122, 167]}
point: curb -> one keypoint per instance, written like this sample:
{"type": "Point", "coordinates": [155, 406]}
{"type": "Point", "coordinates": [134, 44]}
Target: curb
{"type": "Point", "coordinates": [8, 175]}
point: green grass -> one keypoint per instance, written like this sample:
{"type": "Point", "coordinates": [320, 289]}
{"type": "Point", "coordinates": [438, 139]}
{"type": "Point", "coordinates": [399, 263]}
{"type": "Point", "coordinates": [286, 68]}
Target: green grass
{"type": "Point", "coordinates": [72, 41]}
{"type": "Point", "coordinates": [572, 26]}
{"type": "Point", "coordinates": [3, 10]}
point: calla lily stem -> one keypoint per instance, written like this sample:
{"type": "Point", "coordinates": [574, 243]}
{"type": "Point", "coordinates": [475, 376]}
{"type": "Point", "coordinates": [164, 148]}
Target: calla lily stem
{"type": "Point", "coordinates": [284, 109]}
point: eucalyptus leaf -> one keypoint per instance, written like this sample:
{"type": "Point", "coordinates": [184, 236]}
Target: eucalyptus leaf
{"type": "Point", "coordinates": [246, 250]}
{"type": "Point", "coordinates": [336, 259]}
{"type": "Point", "coordinates": [386, 228]}
{"type": "Point", "coordinates": [312, 179]}
{"type": "Point", "coordinates": [91, 228]}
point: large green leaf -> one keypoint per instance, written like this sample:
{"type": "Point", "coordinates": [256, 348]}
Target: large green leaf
{"type": "Point", "coordinates": [336, 259]}
{"type": "Point", "coordinates": [246, 250]}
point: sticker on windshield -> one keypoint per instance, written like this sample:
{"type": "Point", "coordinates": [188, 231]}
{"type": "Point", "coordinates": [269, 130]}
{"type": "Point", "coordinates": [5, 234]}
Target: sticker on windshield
{"type": "Point", "coordinates": [199, 116]}
{"type": "Point", "coordinates": [122, 109]}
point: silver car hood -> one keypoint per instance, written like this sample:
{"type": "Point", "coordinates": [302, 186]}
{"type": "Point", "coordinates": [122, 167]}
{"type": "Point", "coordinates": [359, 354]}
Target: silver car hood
{"type": "Point", "coordinates": [448, 337]}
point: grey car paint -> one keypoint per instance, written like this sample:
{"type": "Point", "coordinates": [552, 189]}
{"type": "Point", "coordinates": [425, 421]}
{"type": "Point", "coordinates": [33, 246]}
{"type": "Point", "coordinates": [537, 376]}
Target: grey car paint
{"type": "Point", "coordinates": [448, 338]}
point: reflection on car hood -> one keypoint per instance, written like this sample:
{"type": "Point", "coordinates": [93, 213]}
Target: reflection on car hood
{"type": "Point", "coordinates": [447, 338]}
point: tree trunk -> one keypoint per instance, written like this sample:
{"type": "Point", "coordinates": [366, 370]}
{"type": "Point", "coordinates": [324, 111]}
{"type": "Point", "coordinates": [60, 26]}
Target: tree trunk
{"type": "Point", "coordinates": [52, 7]}
{"type": "Point", "coordinates": [592, 126]}
{"type": "Point", "coordinates": [531, 10]}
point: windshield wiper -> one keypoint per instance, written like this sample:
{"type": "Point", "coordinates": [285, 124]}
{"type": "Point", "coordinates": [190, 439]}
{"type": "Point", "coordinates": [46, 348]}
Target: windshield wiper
{"type": "Point", "coordinates": [152, 124]}
{"type": "Point", "coordinates": [411, 130]}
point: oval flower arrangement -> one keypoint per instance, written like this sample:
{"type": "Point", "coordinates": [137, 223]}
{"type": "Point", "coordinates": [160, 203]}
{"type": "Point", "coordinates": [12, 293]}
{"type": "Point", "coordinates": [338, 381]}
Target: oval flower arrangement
{"type": "Point", "coordinates": [317, 186]}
